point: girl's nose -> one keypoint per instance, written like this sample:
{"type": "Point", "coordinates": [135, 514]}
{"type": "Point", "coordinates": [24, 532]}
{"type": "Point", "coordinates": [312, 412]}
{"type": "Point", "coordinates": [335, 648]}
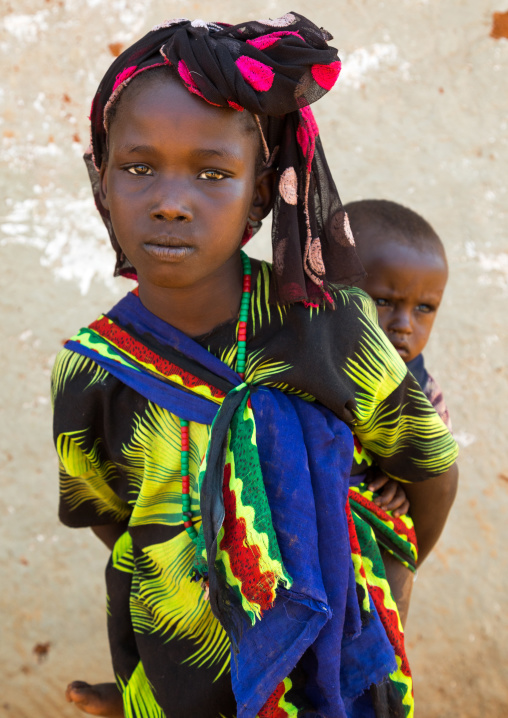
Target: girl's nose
{"type": "Point", "coordinates": [171, 203]}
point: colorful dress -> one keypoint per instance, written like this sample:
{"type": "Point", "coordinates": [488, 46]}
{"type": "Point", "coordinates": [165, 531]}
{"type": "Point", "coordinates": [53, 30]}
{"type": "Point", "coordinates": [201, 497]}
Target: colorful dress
{"type": "Point", "coordinates": [321, 635]}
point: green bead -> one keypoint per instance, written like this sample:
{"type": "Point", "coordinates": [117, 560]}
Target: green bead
{"type": "Point", "coordinates": [184, 422]}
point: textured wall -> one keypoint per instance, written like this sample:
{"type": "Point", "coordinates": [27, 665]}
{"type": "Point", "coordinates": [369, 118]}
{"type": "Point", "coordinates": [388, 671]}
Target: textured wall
{"type": "Point", "coordinates": [420, 116]}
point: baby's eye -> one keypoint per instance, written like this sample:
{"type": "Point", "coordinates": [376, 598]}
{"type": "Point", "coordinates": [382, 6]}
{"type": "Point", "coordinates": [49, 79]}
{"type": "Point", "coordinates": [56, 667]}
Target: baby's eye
{"type": "Point", "coordinates": [380, 302]}
{"type": "Point", "coordinates": [139, 170]}
{"type": "Point", "coordinates": [425, 308]}
{"type": "Point", "coordinates": [213, 175]}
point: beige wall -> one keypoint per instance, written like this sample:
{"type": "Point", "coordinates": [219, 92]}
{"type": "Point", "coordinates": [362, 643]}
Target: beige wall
{"type": "Point", "coordinates": [419, 116]}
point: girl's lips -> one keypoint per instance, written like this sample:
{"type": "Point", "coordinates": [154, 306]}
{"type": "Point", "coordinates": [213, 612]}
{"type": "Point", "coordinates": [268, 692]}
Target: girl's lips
{"type": "Point", "coordinates": [167, 253]}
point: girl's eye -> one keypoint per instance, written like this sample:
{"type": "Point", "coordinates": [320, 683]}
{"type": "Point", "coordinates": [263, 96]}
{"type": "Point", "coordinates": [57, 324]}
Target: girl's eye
{"type": "Point", "coordinates": [381, 302]}
{"type": "Point", "coordinates": [213, 175]}
{"type": "Point", "coordinates": [425, 308]}
{"type": "Point", "coordinates": [139, 170]}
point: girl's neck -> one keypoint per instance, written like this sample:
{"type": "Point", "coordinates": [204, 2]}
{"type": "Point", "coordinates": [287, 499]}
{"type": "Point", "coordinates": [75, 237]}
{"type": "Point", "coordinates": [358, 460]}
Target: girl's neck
{"type": "Point", "coordinates": [198, 309]}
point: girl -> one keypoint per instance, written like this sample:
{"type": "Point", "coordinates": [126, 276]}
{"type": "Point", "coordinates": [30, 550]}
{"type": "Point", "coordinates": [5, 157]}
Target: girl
{"type": "Point", "coordinates": [203, 425]}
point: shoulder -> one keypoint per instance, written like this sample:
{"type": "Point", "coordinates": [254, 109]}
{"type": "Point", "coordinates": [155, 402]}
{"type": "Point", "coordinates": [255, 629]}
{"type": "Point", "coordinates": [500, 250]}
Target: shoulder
{"type": "Point", "coordinates": [356, 302]}
{"type": "Point", "coordinates": [72, 373]}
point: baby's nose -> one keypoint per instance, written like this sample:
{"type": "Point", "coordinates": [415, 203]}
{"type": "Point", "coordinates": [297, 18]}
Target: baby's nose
{"type": "Point", "coordinates": [401, 323]}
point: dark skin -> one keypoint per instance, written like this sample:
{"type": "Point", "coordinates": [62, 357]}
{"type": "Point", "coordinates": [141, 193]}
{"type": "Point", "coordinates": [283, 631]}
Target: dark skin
{"type": "Point", "coordinates": [179, 199]}
{"type": "Point", "coordinates": [407, 285]}
{"type": "Point", "coordinates": [181, 180]}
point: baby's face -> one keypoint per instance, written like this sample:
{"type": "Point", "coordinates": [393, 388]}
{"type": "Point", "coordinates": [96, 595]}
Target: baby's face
{"type": "Point", "coordinates": [407, 285]}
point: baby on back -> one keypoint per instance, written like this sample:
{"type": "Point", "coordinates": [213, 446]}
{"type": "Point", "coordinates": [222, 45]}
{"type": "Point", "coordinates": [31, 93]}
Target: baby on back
{"type": "Point", "coordinates": [406, 277]}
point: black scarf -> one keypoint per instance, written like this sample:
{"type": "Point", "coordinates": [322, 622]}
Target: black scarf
{"type": "Point", "coordinates": [273, 68]}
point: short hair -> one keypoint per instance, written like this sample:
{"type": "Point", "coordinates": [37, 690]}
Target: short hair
{"type": "Point", "coordinates": [391, 221]}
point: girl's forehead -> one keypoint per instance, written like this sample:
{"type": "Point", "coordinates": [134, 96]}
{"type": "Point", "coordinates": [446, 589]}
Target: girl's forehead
{"type": "Point", "coordinates": [165, 102]}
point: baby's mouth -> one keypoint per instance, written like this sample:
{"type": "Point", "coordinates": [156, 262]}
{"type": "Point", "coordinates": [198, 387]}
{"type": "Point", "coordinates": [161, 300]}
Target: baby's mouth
{"type": "Point", "coordinates": [401, 348]}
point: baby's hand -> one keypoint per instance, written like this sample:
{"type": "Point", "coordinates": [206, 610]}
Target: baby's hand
{"type": "Point", "coordinates": [393, 497]}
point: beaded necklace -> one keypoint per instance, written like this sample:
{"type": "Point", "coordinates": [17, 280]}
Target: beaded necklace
{"type": "Point", "coordinates": [240, 368]}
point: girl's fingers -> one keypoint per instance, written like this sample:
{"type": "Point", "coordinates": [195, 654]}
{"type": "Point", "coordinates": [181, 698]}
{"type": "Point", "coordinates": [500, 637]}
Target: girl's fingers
{"type": "Point", "coordinates": [378, 482]}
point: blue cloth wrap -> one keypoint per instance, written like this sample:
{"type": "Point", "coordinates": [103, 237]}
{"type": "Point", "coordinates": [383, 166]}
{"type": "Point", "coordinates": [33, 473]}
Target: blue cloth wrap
{"type": "Point", "coordinates": [306, 454]}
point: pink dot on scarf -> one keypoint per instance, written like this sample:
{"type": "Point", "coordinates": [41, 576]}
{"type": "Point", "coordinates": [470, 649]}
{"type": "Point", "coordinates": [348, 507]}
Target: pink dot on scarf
{"type": "Point", "coordinates": [306, 133]}
{"type": "Point", "coordinates": [257, 74]}
{"type": "Point", "coordinates": [326, 75]}
{"type": "Point", "coordinates": [261, 43]}
{"type": "Point", "coordinates": [235, 106]}
{"type": "Point", "coordinates": [184, 73]}
{"type": "Point", "coordinates": [122, 76]}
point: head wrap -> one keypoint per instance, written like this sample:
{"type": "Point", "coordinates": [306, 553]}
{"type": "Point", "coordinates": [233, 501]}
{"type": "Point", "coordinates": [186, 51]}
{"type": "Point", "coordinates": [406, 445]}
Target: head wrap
{"type": "Point", "coordinates": [275, 68]}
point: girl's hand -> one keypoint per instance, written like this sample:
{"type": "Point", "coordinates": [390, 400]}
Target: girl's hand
{"type": "Point", "coordinates": [393, 497]}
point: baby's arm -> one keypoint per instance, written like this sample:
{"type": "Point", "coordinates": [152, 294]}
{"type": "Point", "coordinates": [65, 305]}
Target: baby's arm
{"type": "Point", "coordinates": [431, 501]}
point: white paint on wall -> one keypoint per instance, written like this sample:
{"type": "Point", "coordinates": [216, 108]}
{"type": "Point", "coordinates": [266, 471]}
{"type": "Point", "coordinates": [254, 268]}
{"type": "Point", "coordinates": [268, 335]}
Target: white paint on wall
{"type": "Point", "coordinates": [494, 266]}
{"type": "Point", "coordinates": [360, 63]}
{"type": "Point", "coordinates": [464, 439]}
{"type": "Point", "coordinates": [68, 232]}
{"type": "Point", "coordinates": [26, 27]}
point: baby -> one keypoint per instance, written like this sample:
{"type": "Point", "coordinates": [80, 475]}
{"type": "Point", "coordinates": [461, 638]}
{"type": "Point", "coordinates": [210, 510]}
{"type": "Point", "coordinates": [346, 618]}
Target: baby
{"type": "Point", "coordinates": [406, 277]}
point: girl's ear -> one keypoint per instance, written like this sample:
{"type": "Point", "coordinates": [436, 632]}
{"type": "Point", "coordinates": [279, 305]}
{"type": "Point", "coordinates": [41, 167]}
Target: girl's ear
{"type": "Point", "coordinates": [103, 185]}
{"type": "Point", "coordinates": [264, 195]}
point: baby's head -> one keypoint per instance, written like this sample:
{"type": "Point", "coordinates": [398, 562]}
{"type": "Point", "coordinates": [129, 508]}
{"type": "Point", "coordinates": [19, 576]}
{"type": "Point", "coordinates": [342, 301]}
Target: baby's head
{"type": "Point", "coordinates": [406, 270]}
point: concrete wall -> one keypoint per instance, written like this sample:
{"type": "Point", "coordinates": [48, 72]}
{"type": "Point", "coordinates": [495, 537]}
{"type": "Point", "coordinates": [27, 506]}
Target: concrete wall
{"type": "Point", "coordinates": [419, 116]}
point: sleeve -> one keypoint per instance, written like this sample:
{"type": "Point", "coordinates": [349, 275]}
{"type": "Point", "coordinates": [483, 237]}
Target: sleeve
{"type": "Point", "coordinates": [91, 485]}
{"type": "Point", "coordinates": [393, 419]}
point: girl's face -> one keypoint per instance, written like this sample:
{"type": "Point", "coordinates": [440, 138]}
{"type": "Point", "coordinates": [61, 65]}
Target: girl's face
{"type": "Point", "coordinates": [180, 184]}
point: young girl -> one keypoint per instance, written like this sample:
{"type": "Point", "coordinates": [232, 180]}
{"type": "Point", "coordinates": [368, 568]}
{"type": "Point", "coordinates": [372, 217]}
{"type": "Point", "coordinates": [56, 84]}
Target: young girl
{"type": "Point", "coordinates": [203, 425]}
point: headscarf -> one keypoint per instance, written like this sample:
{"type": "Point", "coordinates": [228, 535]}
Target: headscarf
{"type": "Point", "coordinates": [273, 68]}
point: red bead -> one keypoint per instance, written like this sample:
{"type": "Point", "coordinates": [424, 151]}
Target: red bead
{"type": "Point", "coordinates": [242, 375]}
{"type": "Point", "coordinates": [187, 524]}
